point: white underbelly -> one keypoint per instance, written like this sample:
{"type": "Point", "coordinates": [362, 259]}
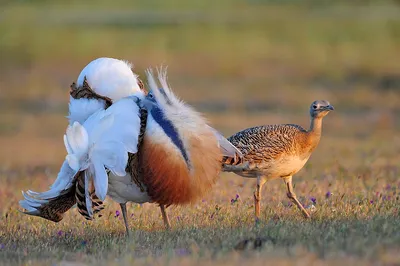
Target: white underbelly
{"type": "Point", "coordinates": [286, 166]}
{"type": "Point", "coordinates": [121, 189]}
{"type": "Point", "coordinates": [272, 169]}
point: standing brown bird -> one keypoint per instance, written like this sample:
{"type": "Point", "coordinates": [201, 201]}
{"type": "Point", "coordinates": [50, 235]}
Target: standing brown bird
{"type": "Point", "coordinates": [277, 151]}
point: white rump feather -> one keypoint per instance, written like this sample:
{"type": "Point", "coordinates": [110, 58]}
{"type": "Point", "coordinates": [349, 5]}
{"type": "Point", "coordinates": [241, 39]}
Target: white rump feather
{"type": "Point", "coordinates": [81, 109]}
{"type": "Point", "coordinates": [110, 77]}
{"type": "Point", "coordinates": [103, 141]}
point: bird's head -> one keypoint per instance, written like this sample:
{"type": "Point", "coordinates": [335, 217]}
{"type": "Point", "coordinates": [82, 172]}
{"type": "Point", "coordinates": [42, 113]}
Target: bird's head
{"type": "Point", "coordinates": [320, 108]}
{"type": "Point", "coordinates": [111, 78]}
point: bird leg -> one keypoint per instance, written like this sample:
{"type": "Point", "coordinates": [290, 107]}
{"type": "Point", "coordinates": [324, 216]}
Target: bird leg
{"type": "Point", "coordinates": [257, 196]}
{"type": "Point", "coordinates": [236, 168]}
{"type": "Point", "coordinates": [165, 217]}
{"type": "Point", "coordinates": [123, 209]}
{"type": "Point", "coordinates": [292, 196]}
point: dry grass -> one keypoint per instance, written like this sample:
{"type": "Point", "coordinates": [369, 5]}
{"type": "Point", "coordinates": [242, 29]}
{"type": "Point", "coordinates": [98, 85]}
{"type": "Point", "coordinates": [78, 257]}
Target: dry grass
{"type": "Point", "coordinates": [356, 218]}
{"type": "Point", "coordinates": [243, 64]}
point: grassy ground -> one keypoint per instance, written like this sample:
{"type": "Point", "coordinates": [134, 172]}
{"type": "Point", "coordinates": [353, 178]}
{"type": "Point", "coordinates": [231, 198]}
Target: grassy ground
{"type": "Point", "coordinates": [242, 63]}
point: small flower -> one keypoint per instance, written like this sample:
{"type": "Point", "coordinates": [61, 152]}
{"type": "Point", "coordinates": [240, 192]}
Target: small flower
{"type": "Point", "coordinates": [388, 187]}
{"type": "Point", "coordinates": [233, 201]}
{"type": "Point", "coordinates": [59, 233]}
{"type": "Point", "coordinates": [328, 194]}
{"type": "Point", "coordinates": [182, 252]}
{"type": "Point", "coordinates": [117, 213]}
{"type": "Point", "coordinates": [2, 246]}
{"type": "Point", "coordinates": [203, 200]}
{"type": "Point", "coordinates": [371, 201]}
{"type": "Point", "coordinates": [84, 242]}
{"type": "Point", "coordinates": [132, 215]}
{"type": "Point", "coordinates": [178, 218]}
{"type": "Point", "coordinates": [314, 200]}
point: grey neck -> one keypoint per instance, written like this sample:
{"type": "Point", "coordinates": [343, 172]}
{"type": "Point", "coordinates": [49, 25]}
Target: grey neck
{"type": "Point", "coordinates": [315, 131]}
{"type": "Point", "coordinates": [316, 126]}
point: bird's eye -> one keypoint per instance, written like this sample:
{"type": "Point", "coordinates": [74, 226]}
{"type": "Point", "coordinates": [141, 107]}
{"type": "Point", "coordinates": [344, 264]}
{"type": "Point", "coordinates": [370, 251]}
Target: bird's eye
{"type": "Point", "coordinates": [314, 106]}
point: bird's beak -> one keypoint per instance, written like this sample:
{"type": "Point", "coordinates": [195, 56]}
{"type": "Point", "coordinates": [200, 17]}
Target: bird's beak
{"type": "Point", "coordinates": [329, 107]}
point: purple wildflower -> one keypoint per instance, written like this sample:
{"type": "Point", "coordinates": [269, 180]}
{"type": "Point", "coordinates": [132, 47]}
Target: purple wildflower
{"type": "Point", "coordinates": [132, 215]}
{"type": "Point", "coordinates": [178, 218]}
{"type": "Point", "coordinates": [233, 201]}
{"type": "Point", "coordinates": [2, 246]}
{"type": "Point", "coordinates": [59, 233]}
{"type": "Point", "coordinates": [314, 200]}
{"type": "Point", "coordinates": [371, 201]}
{"type": "Point", "coordinates": [388, 187]}
{"type": "Point", "coordinates": [182, 252]}
{"type": "Point", "coordinates": [84, 242]}
{"type": "Point", "coordinates": [117, 214]}
{"type": "Point", "coordinates": [328, 194]}
{"type": "Point", "coordinates": [203, 200]}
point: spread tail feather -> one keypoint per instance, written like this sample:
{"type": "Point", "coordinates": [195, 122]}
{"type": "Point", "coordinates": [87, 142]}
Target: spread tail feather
{"type": "Point", "coordinates": [102, 143]}
{"type": "Point", "coordinates": [52, 209]}
{"type": "Point", "coordinates": [52, 204]}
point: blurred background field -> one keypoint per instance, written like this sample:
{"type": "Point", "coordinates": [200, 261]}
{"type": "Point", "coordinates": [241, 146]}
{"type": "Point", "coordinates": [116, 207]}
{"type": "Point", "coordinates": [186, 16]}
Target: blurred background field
{"type": "Point", "coordinates": [242, 63]}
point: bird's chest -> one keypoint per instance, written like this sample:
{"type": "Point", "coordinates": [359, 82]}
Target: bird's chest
{"type": "Point", "coordinates": [285, 166]}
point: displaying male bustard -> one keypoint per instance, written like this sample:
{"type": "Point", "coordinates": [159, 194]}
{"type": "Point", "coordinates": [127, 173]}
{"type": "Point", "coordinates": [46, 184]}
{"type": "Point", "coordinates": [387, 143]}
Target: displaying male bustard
{"type": "Point", "coordinates": [277, 151]}
{"type": "Point", "coordinates": [152, 146]}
